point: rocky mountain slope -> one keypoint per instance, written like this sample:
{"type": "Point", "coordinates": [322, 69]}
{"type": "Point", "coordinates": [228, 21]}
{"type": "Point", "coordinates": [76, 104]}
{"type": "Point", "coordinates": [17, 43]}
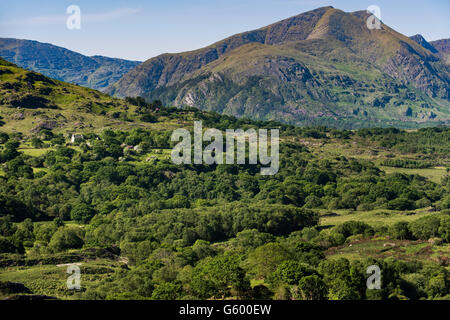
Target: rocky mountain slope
{"type": "Point", "coordinates": [320, 67]}
{"type": "Point", "coordinates": [96, 72]}
{"type": "Point", "coordinates": [424, 43]}
{"type": "Point", "coordinates": [443, 48]}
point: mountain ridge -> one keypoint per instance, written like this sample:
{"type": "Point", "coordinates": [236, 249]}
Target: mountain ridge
{"type": "Point", "coordinates": [424, 43]}
{"type": "Point", "coordinates": [314, 48]}
{"type": "Point", "coordinates": [443, 48]}
{"type": "Point", "coordinates": [96, 72]}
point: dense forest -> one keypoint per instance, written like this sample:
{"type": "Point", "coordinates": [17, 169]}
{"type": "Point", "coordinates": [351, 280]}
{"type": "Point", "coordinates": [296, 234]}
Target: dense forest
{"type": "Point", "coordinates": [148, 229]}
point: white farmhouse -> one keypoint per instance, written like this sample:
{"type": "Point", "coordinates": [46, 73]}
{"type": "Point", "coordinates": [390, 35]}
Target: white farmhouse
{"type": "Point", "coordinates": [75, 137]}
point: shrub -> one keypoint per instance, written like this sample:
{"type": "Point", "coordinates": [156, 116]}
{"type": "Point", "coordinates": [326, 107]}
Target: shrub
{"type": "Point", "coordinates": [425, 228]}
{"type": "Point", "coordinates": [290, 272]}
{"type": "Point", "coordinates": [400, 230]}
{"type": "Point", "coordinates": [311, 288]}
{"type": "Point", "coordinates": [400, 204]}
{"type": "Point", "coordinates": [351, 228]}
{"type": "Point", "coordinates": [67, 238]}
{"type": "Point", "coordinates": [7, 246]}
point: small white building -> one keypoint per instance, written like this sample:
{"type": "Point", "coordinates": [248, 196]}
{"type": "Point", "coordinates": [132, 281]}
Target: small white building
{"type": "Point", "coordinates": [75, 137]}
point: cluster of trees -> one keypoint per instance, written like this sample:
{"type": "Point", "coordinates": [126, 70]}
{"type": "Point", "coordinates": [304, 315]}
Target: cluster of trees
{"type": "Point", "coordinates": [202, 231]}
{"type": "Point", "coordinates": [407, 163]}
{"type": "Point", "coordinates": [434, 226]}
{"type": "Point", "coordinates": [286, 268]}
{"type": "Point", "coordinates": [427, 140]}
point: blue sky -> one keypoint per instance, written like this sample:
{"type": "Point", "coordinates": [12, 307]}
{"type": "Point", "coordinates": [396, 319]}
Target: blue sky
{"type": "Point", "coordinates": [139, 30]}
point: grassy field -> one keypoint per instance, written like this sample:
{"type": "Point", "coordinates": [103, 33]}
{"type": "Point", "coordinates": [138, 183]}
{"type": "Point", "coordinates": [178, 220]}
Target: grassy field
{"type": "Point", "coordinates": [51, 280]}
{"type": "Point", "coordinates": [433, 174]}
{"type": "Point", "coordinates": [34, 152]}
{"type": "Point", "coordinates": [422, 251]}
{"type": "Point", "coordinates": [376, 217]}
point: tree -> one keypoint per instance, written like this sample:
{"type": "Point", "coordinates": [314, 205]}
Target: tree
{"type": "Point", "coordinates": [400, 230]}
{"type": "Point", "coordinates": [7, 228]}
{"type": "Point", "coordinates": [344, 279]}
{"type": "Point", "coordinates": [351, 228]}
{"type": "Point", "coordinates": [167, 291]}
{"type": "Point", "coordinates": [444, 228]}
{"type": "Point", "coordinates": [7, 246]}
{"type": "Point", "coordinates": [36, 142]}
{"type": "Point", "coordinates": [313, 201]}
{"type": "Point", "coordinates": [82, 213]}
{"type": "Point", "coordinates": [24, 233]}
{"type": "Point", "coordinates": [425, 228]}
{"type": "Point", "coordinates": [309, 253]}
{"type": "Point", "coordinates": [10, 151]}
{"type": "Point", "coordinates": [340, 289]}
{"type": "Point", "coordinates": [290, 272]}
{"type": "Point", "coordinates": [251, 239]}
{"type": "Point", "coordinates": [18, 168]}
{"type": "Point", "coordinates": [67, 238]}
{"type": "Point", "coordinates": [312, 288]}
{"type": "Point", "coordinates": [265, 259]}
{"type": "Point", "coordinates": [44, 232]}
{"type": "Point", "coordinates": [149, 118]}
{"type": "Point", "coordinates": [3, 137]}
{"type": "Point", "coordinates": [203, 249]}
{"type": "Point", "coordinates": [401, 204]}
{"type": "Point", "coordinates": [219, 277]}
{"type": "Point", "coordinates": [438, 286]}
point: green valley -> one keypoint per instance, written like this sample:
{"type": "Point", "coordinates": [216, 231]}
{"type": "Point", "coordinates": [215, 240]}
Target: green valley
{"type": "Point", "coordinates": [88, 184]}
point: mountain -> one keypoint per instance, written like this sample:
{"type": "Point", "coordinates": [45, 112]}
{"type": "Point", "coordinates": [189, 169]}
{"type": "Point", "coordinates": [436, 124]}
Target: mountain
{"type": "Point", "coordinates": [443, 48]}
{"type": "Point", "coordinates": [320, 67]}
{"type": "Point", "coordinates": [95, 72]}
{"type": "Point", "coordinates": [424, 43]}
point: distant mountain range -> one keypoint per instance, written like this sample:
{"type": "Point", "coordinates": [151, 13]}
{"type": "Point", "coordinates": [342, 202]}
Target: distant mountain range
{"type": "Point", "coordinates": [320, 67]}
{"type": "Point", "coordinates": [96, 72]}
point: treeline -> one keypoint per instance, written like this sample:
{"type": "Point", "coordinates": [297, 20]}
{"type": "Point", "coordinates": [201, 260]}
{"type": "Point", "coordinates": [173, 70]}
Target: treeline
{"type": "Point", "coordinates": [430, 141]}
{"type": "Point", "coordinates": [407, 163]}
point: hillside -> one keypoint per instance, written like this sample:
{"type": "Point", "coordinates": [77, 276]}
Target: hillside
{"type": "Point", "coordinates": [320, 67]}
{"type": "Point", "coordinates": [30, 102]}
{"type": "Point", "coordinates": [424, 43]}
{"type": "Point", "coordinates": [95, 72]}
{"type": "Point", "coordinates": [443, 47]}
{"type": "Point", "coordinates": [140, 227]}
